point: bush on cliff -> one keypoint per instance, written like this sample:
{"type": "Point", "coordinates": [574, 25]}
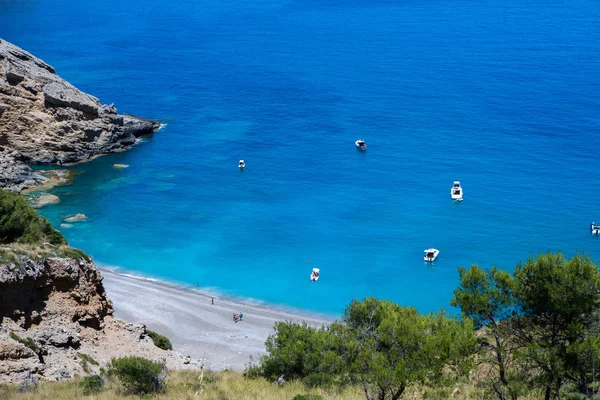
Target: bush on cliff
{"type": "Point", "coordinates": [20, 223]}
{"type": "Point", "coordinates": [160, 341]}
{"type": "Point", "coordinates": [137, 374]}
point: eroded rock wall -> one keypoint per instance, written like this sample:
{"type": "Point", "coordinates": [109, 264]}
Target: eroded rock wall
{"type": "Point", "coordinates": [55, 317]}
{"type": "Point", "coordinates": [44, 120]}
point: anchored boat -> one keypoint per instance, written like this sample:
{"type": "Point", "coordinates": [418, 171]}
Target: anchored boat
{"type": "Point", "coordinates": [361, 144]}
{"type": "Point", "coordinates": [314, 275]}
{"type": "Point", "coordinates": [456, 192]}
{"type": "Point", "coordinates": [431, 254]}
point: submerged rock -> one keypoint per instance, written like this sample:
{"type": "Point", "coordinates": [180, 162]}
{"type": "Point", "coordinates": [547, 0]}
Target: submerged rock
{"type": "Point", "coordinates": [44, 200]}
{"type": "Point", "coordinates": [120, 166]}
{"type": "Point", "coordinates": [66, 225]}
{"type": "Point", "coordinates": [75, 218]}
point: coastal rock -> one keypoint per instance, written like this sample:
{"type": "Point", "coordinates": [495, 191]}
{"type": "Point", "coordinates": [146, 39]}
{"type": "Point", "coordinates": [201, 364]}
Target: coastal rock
{"type": "Point", "coordinates": [57, 337]}
{"type": "Point", "coordinates": [16, 175]}
{"type": "Point", "coordinates": [48, 120]}
{"type": "Point", "coordinates": [76, 218]}
{"type": "Point", "coordinates": [44, 200]}
{"type": "Point", "coordinates": [55, 316]}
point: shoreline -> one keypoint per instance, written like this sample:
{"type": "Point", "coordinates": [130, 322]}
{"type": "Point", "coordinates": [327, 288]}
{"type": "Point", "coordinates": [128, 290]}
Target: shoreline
{"type": "Point", "coordinates": [197, 327]}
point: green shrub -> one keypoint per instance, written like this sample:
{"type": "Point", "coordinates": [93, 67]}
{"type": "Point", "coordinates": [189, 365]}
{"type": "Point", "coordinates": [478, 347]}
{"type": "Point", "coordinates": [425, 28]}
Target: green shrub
{"type": "Point", "coordinates": [70, 252]}
{"type": "Point", "coordinates": [28, 342]}
{"type": "Point", "coordinates": [20, 223]}
{"type": "Point", "coordinates": [307, 397]}
{"type": "Point", "coordinates": [85, 360]}
{"type": "Point", "coordinates": [137, 374]}
{"type": "Point", "coordinates": [92, 384]}
{"type": "Point", "coordinates": [160, 341]}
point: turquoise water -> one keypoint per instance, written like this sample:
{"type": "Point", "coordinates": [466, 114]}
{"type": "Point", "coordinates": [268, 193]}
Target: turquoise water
{"type": "Point", "coordinates": [501, 96]}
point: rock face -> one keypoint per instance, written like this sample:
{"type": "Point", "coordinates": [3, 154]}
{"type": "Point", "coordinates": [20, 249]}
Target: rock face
{"type": "Point", "coordinates": [53, 311]}
{"type": "Point", "coordinates": [44, 119]}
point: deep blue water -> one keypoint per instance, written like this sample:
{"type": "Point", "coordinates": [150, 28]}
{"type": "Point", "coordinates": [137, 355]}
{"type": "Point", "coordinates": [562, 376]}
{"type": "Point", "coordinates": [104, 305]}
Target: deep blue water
{"type": "Point", "coordinates": [503, 96]}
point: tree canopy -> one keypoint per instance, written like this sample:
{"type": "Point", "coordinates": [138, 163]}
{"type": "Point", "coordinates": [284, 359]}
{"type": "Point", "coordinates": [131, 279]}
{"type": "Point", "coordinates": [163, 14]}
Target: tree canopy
{"type": "Point", "coordinates": [384, 347]}
{"type": "Point", "coordinates": [540, 323]}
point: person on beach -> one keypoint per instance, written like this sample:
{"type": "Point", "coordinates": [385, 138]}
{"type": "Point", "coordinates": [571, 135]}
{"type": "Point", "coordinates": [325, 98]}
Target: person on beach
{"type": "Point", "coordinates": [240, 316]}
{"type": "Point", "coordinates": [212, 301]}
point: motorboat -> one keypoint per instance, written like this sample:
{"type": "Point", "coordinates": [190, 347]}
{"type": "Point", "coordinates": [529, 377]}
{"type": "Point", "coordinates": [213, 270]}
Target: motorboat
{"type": "Point", "coordinates": [595, 229]}
{"type": "Point", "coordinates": [314, 275]}
{"type": "Point", "coordinates": [361, 144]}
{"type": "Point", "coordinates": [456, 192]}
{"type": "Point", "coordinates": [431, 254]}
{"type": "Point", "coordinates": [242, 164]}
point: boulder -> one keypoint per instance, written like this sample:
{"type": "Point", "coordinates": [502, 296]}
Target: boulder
{"type": "Point", "coordinates": [44, 200]}
{"type": "Point", "coordinates": [57, 337]}
{"type": "Point", "coordinates": [75, 218]}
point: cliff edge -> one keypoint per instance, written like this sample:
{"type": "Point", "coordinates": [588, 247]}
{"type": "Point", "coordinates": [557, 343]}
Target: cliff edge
{"type": "Point", "coordinates": [56, 322]}
{"type": "Point", "coordinates": [46, 120]}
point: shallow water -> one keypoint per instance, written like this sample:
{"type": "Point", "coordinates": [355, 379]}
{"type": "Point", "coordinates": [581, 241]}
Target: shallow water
{"type": "Point", "coordinates": [503, 97]}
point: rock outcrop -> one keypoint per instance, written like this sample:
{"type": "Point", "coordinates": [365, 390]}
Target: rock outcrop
{"type": "Point", "coordinates": [56, 321]}
{"type": "Point", "coordinates": [45, 120]}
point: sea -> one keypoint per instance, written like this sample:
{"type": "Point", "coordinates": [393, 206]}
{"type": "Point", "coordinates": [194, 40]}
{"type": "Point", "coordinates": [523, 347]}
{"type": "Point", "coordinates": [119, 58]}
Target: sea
{"type": "Point", "coordinates": [502, 96]}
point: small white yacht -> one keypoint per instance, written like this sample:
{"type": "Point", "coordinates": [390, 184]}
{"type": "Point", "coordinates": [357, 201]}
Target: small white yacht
{"type": "Point", "coordinates": [314, 275]}
{"type": "Point", "coordinates": [456, 192]}
{"type": "Point", "coordinates": [595, 229]}
{"type": "Point", "coordinates": [431, 254]}
{"type": "Point", "coordinates": [242, 164]}
{"type": "Point", "coordinates": [361, 144]}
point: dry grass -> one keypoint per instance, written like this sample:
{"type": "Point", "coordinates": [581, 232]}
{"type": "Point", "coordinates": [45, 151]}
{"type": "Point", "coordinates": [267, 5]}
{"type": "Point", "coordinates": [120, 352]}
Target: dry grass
{"type": "Point", "coordinates": [194, 385]}
{"type": "Point", "coordinates": [12, 253]}
{"type": "Point", "coordinates": [185, 385]}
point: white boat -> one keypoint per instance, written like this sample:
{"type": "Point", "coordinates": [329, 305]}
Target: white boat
{"type": "Point", "coordinates": [595, 229]}
{"type": "Point", "coordinates": [314, 275]}
{"type": "Point", "coordinates": [361, 144]}
{"type": "Point", "coordinates": [431, 254]}
{"type": "Point", "coordinates": [456, 192]}
{"type": "Point", "coordinates": [242, 164]}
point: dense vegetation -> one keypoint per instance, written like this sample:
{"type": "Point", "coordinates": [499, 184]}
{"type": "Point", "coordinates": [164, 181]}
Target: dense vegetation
{"type": "Point", "coordinates": [24, 233]}
{"type": "Point", "coordinates": [541, 325]}
{"type": "Point", "coordinates": [19, 223]}
{"type": "Point", "coordinates": [379, 346]}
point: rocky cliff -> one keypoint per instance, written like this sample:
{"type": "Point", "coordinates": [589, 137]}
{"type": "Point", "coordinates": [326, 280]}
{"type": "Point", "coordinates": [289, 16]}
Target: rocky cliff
{"type": "Point", "coordinates": [56, 321]}
{"type": "Point", "coordinates": [44, 120]}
